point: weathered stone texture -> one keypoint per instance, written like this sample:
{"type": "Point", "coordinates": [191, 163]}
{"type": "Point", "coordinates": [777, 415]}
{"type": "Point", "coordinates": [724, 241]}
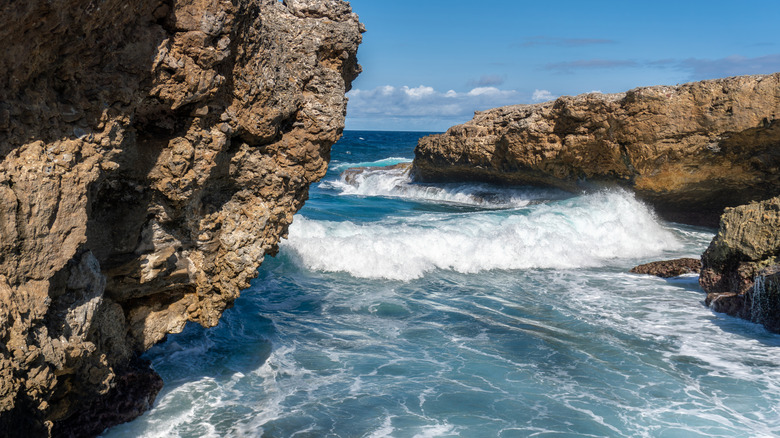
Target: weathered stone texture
{"type": "Point", "coordinates": [689, 150]}
{"type": "Point", "coordinates": [669, 268]}
{"type": "Point", "coordinates": [746, 248]}
{"type": "Point", "coordinates": [151, 153]}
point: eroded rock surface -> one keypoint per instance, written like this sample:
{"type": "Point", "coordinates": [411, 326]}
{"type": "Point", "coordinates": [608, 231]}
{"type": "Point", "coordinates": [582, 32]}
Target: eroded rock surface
{"type": "Point", "coordinates": [745, 252]}
{"type": "Point", "coordinates": [669, 268]}
{"type": "Point", "coordinates": [151, 153]}
{"type": "Point", "coordinates": [689, 150]}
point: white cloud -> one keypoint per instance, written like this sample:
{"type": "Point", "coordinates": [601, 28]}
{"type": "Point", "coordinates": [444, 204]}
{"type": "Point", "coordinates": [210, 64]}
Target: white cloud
{"type": "Point", "coordinates": [423, 100]}
{"type": "Point", "coordinates": [542, 96]}
{"type": "Point", "coordinates": [423, 107]}
{"type": "Point", "coordinates": [418, 92]}
{"type": "Point", "coordinates": [484, 90]}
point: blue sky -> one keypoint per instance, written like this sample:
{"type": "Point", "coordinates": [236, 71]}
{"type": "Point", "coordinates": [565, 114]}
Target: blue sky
{"type": "Point", "coordinates": [429, 64]}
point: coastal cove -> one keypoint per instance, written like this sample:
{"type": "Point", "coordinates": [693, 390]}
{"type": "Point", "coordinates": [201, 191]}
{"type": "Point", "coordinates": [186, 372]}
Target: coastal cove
{"type": "Point", "coordinates": [407, 309]}
{"type": "Point", "coordinates": [216, 221]}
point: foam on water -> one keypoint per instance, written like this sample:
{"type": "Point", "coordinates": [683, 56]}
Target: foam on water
{"type": "Point", "coordinates": [385, 180]}
{"type": "Point", "coordinates": [581, 232]}
{"type": "Point", "coordinates": [391, 161]}
{"type": "Point", "coordinates": [578, 353]}
{"type": "Point", "coordinates": [476, 341]}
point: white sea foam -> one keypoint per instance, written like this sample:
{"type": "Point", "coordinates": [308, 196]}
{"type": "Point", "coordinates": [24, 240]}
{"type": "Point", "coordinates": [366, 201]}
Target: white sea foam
{"type": "Point", "coordinates": [390, 161]}
{"type": "Point", "coordinates": [436, 431]}
{"type": "Point", "coordinates": [385, 430]}
{"type": "Point", "coordinates": [396, 182]}
{"type": "Point", "coordinates": [536, 352]}
{"type": "Point", "coordinates": [181, 407]}
{"type": "Point", "coordinates": [587, 231]}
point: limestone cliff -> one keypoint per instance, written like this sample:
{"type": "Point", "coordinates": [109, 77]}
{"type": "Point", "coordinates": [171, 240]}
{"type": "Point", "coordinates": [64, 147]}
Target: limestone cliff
{"type": "Point", "coordinates": [740, 267]}
{"type": "Point", "coordinates": [151, 153]}
{"type": "Point", "coordinates": [689, 150]}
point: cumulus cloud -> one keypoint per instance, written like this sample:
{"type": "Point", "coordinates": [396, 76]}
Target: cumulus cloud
{"type": "Point", "coordinates": [422, 107]}
{"type": "Point", "coordinates": [416, 93]}
{"type": "Point", "coordinates": [542, 96]}
{"type": "Point", "coordinates": [486, 91]}
{"type": "Point", "coordinates": [422, 101]}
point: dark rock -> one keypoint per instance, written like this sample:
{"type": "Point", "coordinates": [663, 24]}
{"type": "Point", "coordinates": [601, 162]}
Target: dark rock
{"type": "Point", "coordinates": [727, 302]}
{"type": "Point", "coordinates": [765, 299]}
{"type": "Point", "coordinates": [740, 267]}
{"type": "Point", "coordinates": [669, 268]}
{"type": "Point", "coordinates": [136, 388]}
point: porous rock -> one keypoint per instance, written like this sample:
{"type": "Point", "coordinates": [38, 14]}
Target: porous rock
{"type": "Point", "coordinates": [669, 268]}
{"type": "Point", "coordinates": [151, 153]}
{"type": "Point", "coordinates": [745, 251]}
{"type": "Point", "coordinates": [689, 150]}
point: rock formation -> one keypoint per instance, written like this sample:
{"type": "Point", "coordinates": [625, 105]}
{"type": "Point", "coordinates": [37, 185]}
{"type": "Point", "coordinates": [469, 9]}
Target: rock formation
{"type": "Point", "coordinates": [669, 268]}
{"type": "Point", "coordinates": [740, 267]}
{"type": "Point", "coordinates": [689, 150]}
{"type": "Point", "coordinates": [151, 153]}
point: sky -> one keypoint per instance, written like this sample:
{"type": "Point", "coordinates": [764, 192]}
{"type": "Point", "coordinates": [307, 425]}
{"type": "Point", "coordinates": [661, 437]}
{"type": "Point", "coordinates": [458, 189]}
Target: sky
{"type": "Point", "coordinates": [429, 64]}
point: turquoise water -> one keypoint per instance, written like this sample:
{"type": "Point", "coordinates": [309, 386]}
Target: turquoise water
{"type": "Point", "coordinates": [397, 309]}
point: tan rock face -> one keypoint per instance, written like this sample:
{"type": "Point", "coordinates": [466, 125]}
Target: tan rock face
{"type": "Point", "coordinates": [151, 154]}
{"type": "Point", "coordinates": [746, 249]}
{"type": "Point", "coordinates": [689, 150]}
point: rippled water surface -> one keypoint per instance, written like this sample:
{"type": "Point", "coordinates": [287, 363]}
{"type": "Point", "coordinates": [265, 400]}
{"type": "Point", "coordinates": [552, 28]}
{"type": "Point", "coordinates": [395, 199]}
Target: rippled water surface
{"type": "Point", "coordinates": [398, 309]}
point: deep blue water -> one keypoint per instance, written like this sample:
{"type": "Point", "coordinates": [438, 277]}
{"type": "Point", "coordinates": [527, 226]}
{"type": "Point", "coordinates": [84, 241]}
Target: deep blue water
{"type": "Point", "coordinates": [407, 310]}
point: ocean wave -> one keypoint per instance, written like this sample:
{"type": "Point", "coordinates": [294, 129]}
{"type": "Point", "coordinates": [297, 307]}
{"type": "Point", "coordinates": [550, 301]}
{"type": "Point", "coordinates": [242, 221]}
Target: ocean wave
{"type": "Point", "coordinates": [586, 231]}
{"type": "Point", "coordinates": [390, 161]}
{"type": "Point", "coordinates": [385, 178]}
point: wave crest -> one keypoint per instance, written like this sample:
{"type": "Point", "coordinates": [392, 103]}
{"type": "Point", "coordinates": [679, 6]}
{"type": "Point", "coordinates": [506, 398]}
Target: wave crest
{"type": "Point", "coordinates": [393, 180]}
{"type": "Point", "coordinates": [586, 231]}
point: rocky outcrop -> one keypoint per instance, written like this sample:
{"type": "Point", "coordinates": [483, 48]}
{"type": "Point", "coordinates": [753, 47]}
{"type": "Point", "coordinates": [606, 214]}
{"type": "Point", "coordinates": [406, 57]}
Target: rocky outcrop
{"type": "Point", "coordinates": [151, 153]}
{"type": "Point", "coordinates": [669, 268]}
{"type": "Point", "coordinates": [689, 150]}
{"type": "Point", "coordinates": [739, 269]}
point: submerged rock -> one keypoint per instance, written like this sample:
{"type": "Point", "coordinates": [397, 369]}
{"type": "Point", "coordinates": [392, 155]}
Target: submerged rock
{"type": "Point", "coordinates": [669, 268]}
{"type": "Point", "coordinates": [151, 154]}
{"type": "Point", "coordinates": [689, 150]}
{"type": "Point", "coordinates": [740, 267]}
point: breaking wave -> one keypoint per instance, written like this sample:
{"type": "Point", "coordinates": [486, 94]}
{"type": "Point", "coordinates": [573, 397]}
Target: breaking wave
{"type": "Point", "coordinates": [580, 232]}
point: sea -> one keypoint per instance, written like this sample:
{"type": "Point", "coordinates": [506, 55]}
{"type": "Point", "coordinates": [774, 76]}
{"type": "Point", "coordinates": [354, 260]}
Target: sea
{"type": "Point", "coordinates": [404, 309]}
